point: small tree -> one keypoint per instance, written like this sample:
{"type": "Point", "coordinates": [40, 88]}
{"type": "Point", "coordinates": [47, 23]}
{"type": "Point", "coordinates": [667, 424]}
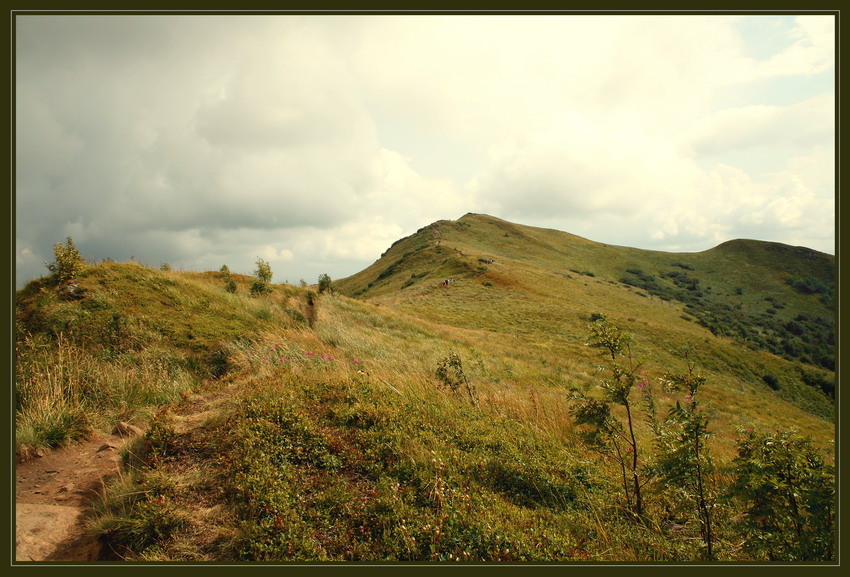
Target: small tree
{"type": "Point", "coordinates": [68, 263]}
{"type": "Point", "coordinates": [789, 497]}
{"type": "Point", "coordinates": [225, 269]}
{"type": "Point", "coordinates": [325, 283]}
{"type": "Point", "coordinates": [259, 288]}
{"type": "Point", "coordinates": [607, 434]}
{"type": "Point", "coordinates": [264, 271]}
{"type": "Point", "coordinates": [264, 276]}
{"type": "Point", "coordinates": [684, 463]}
{"type": "Point", "coordinates": [451, 375]}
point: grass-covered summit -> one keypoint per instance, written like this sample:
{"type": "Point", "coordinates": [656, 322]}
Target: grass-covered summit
{"type": "Point", "coordinates": [741, 299]}
{"type": "Point", "coordinates": [510, 415]}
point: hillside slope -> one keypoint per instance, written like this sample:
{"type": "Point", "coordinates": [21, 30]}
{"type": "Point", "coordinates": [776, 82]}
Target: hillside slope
{"type": "Point", "coordinates": [418, 422]}
{"type": "Point", "coordinates": [772, 299]}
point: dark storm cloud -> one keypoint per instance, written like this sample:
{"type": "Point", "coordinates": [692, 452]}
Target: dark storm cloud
{"type": "Point", "coordinates": [132, 125]}
{"type": "Point", "coordinates": [200, 139]}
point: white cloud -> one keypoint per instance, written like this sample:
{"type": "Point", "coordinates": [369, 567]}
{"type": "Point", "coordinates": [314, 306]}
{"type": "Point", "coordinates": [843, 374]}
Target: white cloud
{"type": "Point", "coordinates": [803, 124]}
{"type": "Point", "coordinates": [210, 139]}
{"type": "Point", "coordinates": [812, 50]}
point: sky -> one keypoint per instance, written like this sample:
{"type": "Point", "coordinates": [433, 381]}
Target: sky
{"type": "Point", "coordinates": [315, 142]}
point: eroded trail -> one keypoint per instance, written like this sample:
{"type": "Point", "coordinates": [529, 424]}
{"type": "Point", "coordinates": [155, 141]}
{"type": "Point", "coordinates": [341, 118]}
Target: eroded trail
{"type": "Point", "coordinates": [52, 497]}
{"type": "Point", "coordinates": [54, 492]}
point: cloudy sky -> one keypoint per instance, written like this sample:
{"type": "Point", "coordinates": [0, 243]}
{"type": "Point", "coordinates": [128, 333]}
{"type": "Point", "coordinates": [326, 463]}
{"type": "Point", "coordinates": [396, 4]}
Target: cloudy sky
{"type": "Point", "coordinates": [314, 142]}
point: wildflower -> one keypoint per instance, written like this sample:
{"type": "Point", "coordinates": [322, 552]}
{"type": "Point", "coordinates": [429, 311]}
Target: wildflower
{"type": "Point", "coordinates": [356, 361]}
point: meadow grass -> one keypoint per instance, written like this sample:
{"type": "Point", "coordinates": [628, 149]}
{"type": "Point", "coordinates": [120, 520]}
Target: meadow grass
{"type": "Point", "coordinates": [335, 438]}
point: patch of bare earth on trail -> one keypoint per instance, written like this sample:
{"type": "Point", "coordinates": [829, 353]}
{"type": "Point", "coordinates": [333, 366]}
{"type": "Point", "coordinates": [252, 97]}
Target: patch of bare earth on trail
{"type": "Point", "coordinates": [52, 496]}
{"type": "Point", "coordinates": [55, 489]}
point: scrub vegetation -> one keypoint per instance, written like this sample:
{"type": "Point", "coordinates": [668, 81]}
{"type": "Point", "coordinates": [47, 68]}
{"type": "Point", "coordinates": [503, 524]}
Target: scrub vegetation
{"type": "Point", "coordinates": [521, 412]}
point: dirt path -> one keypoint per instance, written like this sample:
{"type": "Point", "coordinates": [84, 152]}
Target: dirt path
{"type": "Point", "coordinates": [54, 492]}
{"type": "Point", "coordinates": [52, 496]}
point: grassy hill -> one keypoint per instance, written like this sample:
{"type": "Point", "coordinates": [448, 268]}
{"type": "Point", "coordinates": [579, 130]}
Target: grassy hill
{"type": "Point", "coordinates": [396, 419]}
{"type": "Point", "coordinates": [545, 285]}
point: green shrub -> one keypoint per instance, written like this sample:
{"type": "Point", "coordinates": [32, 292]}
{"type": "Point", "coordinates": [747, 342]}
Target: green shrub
{"type": "Point", "coordinates": [788, 493]}
{"type": "Point", "coordinates": [605, 432]}
{"type": "Point", "coordinates": [325, 283]}
{"type": "Point", "coordinates": [684, 463]}
{"type": "Point", "coordinates": [219, 362]}
{"type": "Point", "coordinates": [818, 380]}
{"type": "Point", "coordinates": [148, 522]}
{"type": "Point", "coordinates": [159, 441]}
{"type": "Point", "coordinates": [771, 381]}
{"type": "Point", "coordinates": [452, 376]}
{"type": "Point", "coordinates": [263, 271]}
{"type": "Point", "coordinates": [259, 288]}
{"type": "Point", "coordinates": [68, 263]}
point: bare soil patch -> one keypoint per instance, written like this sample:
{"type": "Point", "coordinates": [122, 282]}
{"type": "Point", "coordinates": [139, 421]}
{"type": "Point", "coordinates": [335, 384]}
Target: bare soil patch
{"type": "Point", "coordinates": [52, 494]}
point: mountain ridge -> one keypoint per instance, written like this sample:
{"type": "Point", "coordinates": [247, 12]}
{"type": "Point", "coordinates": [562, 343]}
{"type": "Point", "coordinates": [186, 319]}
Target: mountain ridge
{"type": "Point", "coordinates": [426, 420]}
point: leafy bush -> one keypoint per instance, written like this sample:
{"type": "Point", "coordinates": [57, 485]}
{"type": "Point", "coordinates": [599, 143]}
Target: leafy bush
{"type": "Point", "coordinates": [818, 380]}
{"type": "Point", "coordinates": [788, 493]}
{"type": "Point", "coordinates": [147, 523]}
{"type": "Point", "coordinates": [68, 263]}
{"type": "Point", "coordinates": [684, 462]}
{"type": "Point", "coordinates": [219, 362]}
{"type": "Point", "coordinates": [682, 280]}
{"type": "Point", "coordinates": [771, 381]}
{"type": "Point", "coordinates": [325, 283]}
{"type": "Point", "coordinates": [606, 432]}
{"type": "Point", "coordinates": [159, 441]}
{"type": "Point", "coordinates": [808, 285]}
{"type": "Point", "coordinates": [452, 376]}
{"type": "Point", "coordinates": [259, 288]}
{"type": "Point", "coordinates": [263, 271]}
